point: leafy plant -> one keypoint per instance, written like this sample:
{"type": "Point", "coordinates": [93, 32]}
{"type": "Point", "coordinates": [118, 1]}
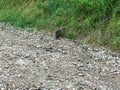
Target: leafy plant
{"type": "Point", "coordinates": [96, 20]}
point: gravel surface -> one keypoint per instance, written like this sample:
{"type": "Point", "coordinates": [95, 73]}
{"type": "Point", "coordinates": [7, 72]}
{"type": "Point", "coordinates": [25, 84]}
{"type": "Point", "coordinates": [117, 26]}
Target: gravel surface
{"type": "Point", "coordinates": [36, 61]}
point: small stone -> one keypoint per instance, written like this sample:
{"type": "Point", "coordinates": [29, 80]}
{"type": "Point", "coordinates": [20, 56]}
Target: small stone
{"type": "Point", "coordinates": [64, 52]}
{"type": "Point", "coordinates": [114, 54]}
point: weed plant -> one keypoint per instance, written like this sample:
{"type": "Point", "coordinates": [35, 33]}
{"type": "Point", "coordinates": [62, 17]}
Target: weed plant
{"type": "Point", "coordinates": [97, 21]}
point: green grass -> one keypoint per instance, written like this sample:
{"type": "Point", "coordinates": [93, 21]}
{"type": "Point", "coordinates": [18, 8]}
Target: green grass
{"type": "Point", "coordinates": [98, 21]}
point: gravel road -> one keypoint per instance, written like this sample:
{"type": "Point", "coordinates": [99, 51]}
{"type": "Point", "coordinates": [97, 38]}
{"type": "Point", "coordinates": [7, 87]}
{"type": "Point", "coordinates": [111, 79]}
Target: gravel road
{"type": "Point", "coordinates": [36, 61]}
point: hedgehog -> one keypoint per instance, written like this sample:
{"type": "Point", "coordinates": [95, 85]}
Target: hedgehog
{"type": "Point", "coordinates": [59, 33]}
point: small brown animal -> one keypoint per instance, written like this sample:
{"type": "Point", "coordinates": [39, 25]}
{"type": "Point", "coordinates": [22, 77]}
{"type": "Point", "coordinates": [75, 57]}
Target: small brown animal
{"type": "Point", "coordinates": [59, 33]}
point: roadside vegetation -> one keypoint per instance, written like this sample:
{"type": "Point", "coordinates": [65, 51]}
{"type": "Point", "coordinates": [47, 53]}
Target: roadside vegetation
{"type": "Point", "coordinates": [95, 21]}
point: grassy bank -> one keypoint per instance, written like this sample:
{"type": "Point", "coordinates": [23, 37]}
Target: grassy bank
{"type": "Point", "coordinates": [97, 21]}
